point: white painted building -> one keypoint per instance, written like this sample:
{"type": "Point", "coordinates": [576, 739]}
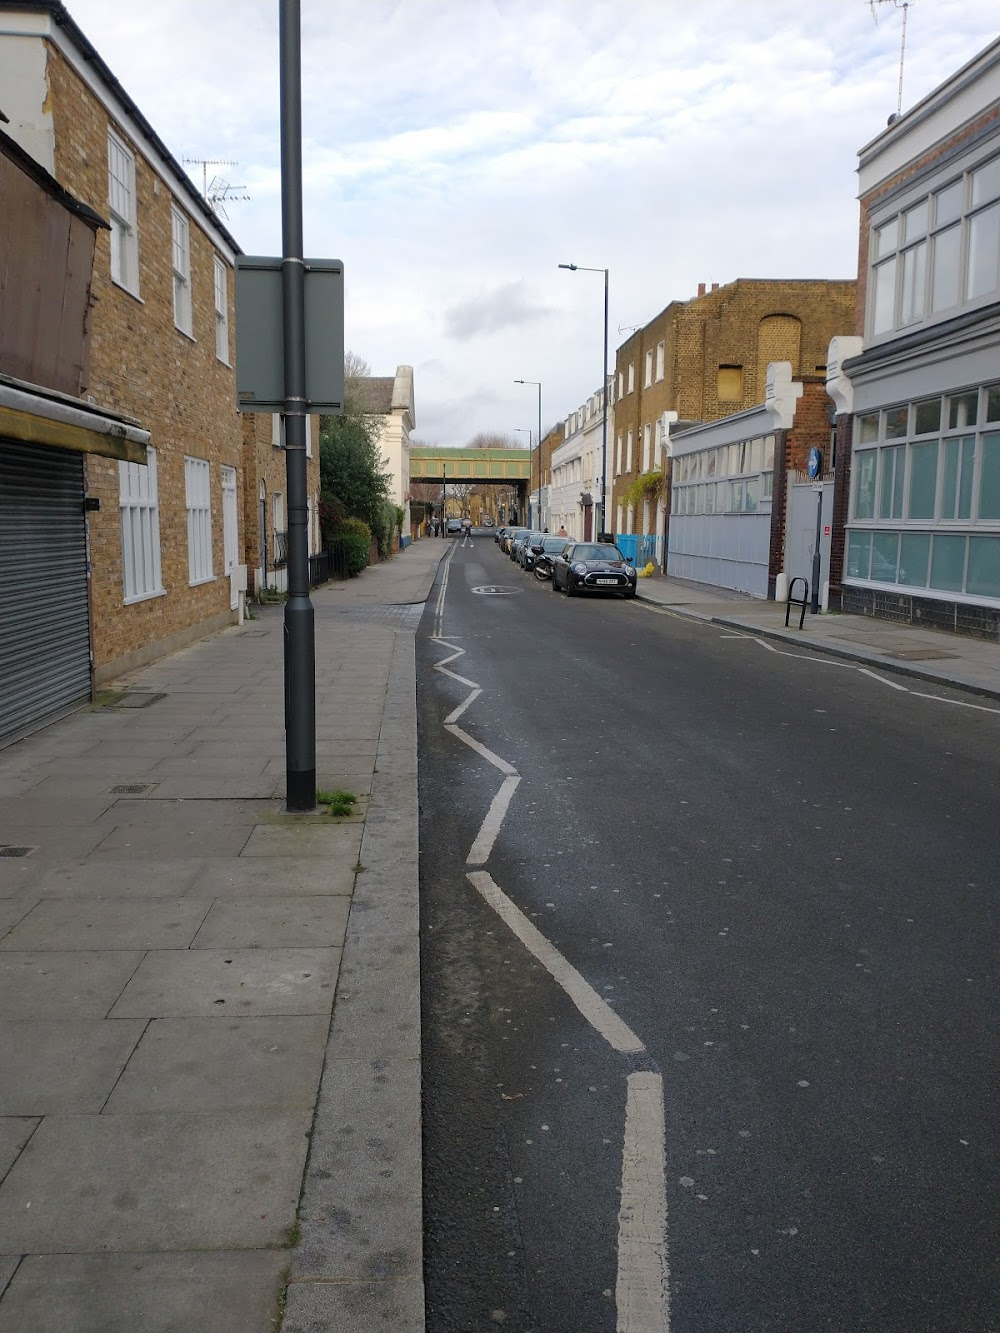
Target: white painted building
{"type": "Point", "coordinates": [574, 496]}
{"type": "Point", "coordinates": [390, 398]}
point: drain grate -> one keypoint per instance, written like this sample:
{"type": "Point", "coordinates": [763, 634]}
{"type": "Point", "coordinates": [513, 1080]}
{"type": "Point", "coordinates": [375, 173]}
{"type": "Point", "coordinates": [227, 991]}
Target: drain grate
{"type": "Point", "coordinates": [134, 699]}
{"type": "Point", "coordinates": [130, 788]}
{"type": "Point", "coordinates": [6, 850]}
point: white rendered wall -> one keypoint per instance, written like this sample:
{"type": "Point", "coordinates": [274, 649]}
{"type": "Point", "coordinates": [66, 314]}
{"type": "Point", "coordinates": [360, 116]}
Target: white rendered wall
{"type": "Point", "coordinates": [24, 93]}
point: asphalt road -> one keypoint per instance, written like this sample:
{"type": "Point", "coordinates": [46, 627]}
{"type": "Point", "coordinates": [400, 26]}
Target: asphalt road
{"type": "Point", "coordinates": [783, 876]}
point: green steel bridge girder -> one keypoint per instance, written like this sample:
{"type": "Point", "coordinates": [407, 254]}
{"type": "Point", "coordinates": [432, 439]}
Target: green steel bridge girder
{"type": "Point", "coordinates": [506, 466]}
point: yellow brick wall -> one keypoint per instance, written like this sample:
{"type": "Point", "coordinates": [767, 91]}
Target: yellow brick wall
{"type": "Point", "coordinates": [746, 323]}
{"type": "Point", "coordinates": [140, 364]}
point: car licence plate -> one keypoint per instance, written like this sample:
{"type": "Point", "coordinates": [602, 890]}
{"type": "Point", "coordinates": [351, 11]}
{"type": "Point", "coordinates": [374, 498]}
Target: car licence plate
{"type": "Point", "coordinates": [613, 582]}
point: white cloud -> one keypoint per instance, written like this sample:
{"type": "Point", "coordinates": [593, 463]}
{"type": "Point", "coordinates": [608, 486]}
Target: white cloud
{"type": "Point", "coordinates": [457, 150]}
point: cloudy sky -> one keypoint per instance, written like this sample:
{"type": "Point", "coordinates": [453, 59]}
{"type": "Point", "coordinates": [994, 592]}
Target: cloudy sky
{"type": "Point", "coordinates": [456, 151]}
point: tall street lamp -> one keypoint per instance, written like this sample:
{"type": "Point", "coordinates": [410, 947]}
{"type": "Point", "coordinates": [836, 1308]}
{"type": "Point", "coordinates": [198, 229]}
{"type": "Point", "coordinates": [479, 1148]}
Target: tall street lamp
{"type": "Point", "coordinates": [538, 438]}
{"type": "Point", "coordinates": [582, 268]}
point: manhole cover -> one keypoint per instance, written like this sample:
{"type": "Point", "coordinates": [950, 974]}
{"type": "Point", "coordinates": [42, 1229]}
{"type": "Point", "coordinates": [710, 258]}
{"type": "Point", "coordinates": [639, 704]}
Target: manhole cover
{"type": "Point", "coordinates": [492, 590]}
{"type": "Point", "coordinates": [16, 851]}
{"type": "Point", "coordinates": [130, 788]}
{"type": "Point", "coordinates": [134, 699]}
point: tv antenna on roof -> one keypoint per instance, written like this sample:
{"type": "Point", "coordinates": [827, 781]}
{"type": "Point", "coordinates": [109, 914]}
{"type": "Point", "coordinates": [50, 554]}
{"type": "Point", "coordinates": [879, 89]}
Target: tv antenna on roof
{"type": "Point", "coordinates": [904, 5]}
{"type": "Point", "coordinates": [628, 328]}
{"type": "Point", "coordinates": [217, 191]}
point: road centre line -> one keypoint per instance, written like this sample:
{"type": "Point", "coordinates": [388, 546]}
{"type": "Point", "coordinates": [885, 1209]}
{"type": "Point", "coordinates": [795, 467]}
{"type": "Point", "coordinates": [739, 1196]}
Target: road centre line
{"type": "Point", "coordinates": [596, 1011]}
{"type": "Point", "coordinates": [480, 851]}
{"type": "Point", "coordinates": [642, 1291]}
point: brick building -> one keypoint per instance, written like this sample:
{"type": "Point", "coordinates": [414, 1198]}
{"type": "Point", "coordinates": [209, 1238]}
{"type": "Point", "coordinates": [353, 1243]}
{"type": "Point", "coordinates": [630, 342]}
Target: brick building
{"type": "Point", "coordinates": [539, 495]}
{"type": "Point", "coordinates": [705, 359]}
{"type": "Point", "coordinates": [163, 537]}
{"type": "Point", "coordinates": [918, 388]}
{"type": "Point", "coordinates": [264, 515]}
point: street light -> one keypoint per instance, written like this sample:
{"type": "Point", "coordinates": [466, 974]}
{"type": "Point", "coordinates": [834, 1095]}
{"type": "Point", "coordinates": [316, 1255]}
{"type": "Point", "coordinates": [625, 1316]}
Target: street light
{"type": "Point", "coordinates": [523, 430]}
{"type": "Point", "coordinates": [582, 268]}
{"type": "Point", "coordinates": [538, 438]}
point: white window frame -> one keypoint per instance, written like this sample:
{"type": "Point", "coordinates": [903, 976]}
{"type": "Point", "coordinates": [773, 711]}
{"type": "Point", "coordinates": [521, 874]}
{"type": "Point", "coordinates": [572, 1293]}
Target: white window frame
{"type": "Point", "coordinates": [646, 440]}
{"type": "Point", "coordinates": [648, 380]}
{"type": "Point", "coordinates": [198, 500]}
{"type": "Point", "coordinates": [122, 208]}
{"type": "Point", "coordinates": [138, 503]}
{"type": "Point", "coordinates": [180, 258]}
{"type": "Point", "coordinates": [628, 444]}
{"type": "Point", "coordinates": [660, 352]}
{"type": "Point", "coordinates": [631, 377]}
{"type": "Point", "coordinates": [277, 431]}
{"type": "Point", "coordinates": [220, 285]}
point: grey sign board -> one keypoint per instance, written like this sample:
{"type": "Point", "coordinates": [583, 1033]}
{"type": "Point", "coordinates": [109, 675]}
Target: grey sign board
{"type": "Point", "coordinates": [260, 343]}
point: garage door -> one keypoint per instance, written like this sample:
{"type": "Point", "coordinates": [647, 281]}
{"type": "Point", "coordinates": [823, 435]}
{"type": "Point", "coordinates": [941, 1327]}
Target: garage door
{"type": "Point", "coordinates": [44, 622]}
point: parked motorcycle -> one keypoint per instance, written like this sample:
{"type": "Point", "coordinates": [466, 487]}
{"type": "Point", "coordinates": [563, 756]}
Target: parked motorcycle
{"type": "Point", "coordinates": [543, 568]}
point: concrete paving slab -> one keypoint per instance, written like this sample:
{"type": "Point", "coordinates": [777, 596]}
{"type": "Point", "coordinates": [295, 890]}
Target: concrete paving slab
{"type": "Point", "coordinates": [233, 1292]}
{"type": "Point", "coordinates": [63, 1066]}
{"type": "Point", "coordinates": [185, 814]}
{"type": "Point", "coordinates": [218, 787]}
{"type": "Point", "coordinates": [8, 1267]}
{"type": "Point", "coordinates": [18, 877]}
{"type": "Point", "coordinates": [274, 921]}
{"type": "Point", "coordinates": [150, 842]}
{"type": "Point", "coordinates": [56, 842]}
{"type": "Point", "coordinates": [63, 985]}
{"type": "Point", "coordinates": [115, 876]}
{"type": "Point", "coordinates": [352, 1307]}
{"type": "Point", "coordinates": [361, 1212]}
{"type": "Point", "coordinates": [13, 909]}
{"type": "Point", "coordinates": [254, 876]}
{"type": "Point", "coordinates": [155, 1182]}
{"type": "Point", "coordinates": [336, 841]}
{"type": "Point", "coordinates": [227, 983]}
{"type": "Point", "coordinates": [235, 766]}
{"type": "Point", "coordinates": [109, 923]}
{"type": "Point", "coordinates": [208, 1064]}
{"type": "Point", "coordinates": [44, 812]}
{"type": "Point", "coordinates": [15, 1131]}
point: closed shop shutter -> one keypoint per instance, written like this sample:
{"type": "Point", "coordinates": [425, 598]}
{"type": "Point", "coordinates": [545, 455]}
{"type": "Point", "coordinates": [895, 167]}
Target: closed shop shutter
{"type": "Point", "coordinates": [44, 621]}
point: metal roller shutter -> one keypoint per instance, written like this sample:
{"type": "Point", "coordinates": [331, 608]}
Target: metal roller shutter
{"type": "Point", "coordinates": [44, 622]}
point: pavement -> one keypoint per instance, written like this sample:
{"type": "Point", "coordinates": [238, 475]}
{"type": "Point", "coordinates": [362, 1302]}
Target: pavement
{"type": "Point", "coordinates": [931, 655]}
{"type": "Point", "coordinates": [209, 1008]}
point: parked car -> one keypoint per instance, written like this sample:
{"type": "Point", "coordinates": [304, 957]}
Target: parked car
{"type": "Point", "coordinates": [517, 544]}
{"type": "Point", "coordinates": [510, 536]}
{"type": "Point", "coordinates": [454, 527]}
{"type": "Point", "coordinates": [524, 553]}
{"type": "Point", "coordinates": [592, 567]}
{"type": "Point", "coordinates": [540, 554]}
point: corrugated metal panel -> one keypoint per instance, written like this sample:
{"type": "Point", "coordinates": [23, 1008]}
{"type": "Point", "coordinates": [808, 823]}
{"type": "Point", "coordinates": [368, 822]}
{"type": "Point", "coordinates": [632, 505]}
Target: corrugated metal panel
{"type": "Point", "coordinates": [44, 623]}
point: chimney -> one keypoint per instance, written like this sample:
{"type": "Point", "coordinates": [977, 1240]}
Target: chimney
{"type": "Point", "coordinates": [701, 289]}
{"type": "Point", "coordinates": [715, 286]}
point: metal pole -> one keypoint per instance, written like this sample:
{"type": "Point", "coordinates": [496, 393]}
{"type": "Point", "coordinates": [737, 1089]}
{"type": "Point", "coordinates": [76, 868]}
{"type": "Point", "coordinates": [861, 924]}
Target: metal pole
{"type": "Point", "coordinates": [604, 414]}
{"type": "Point", "coordinates": [300, 630]}
{"type": "Point", "coordinates": [817, 556]}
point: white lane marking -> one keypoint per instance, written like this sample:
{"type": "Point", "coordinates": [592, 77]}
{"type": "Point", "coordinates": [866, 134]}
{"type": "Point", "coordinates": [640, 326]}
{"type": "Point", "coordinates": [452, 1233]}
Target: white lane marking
{"type": "Point", "coordinates": [642, 1292]}
{"type": "Point", "coordinates": [453, 717]}
{"type": "Point", "coordinates": [818, 660]}
{"type": "Point", "coordinates": [439, 609]}
{"type": "Point", "coordinates": [479, 853]}
{"type": "Point", "coordinates": [959, 703]}
{"type": "Point", "coordinates": [873, 675]}
{"type": "Point", "coordinates": [480, 749]}
{"type": "Point", "coordinates": [598, 1014]}
{"type": "Point", "coordinates": [455, 676]}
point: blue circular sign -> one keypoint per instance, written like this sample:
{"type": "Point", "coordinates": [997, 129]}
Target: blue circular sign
{"type": "Point", "coordinates": [814, 465]}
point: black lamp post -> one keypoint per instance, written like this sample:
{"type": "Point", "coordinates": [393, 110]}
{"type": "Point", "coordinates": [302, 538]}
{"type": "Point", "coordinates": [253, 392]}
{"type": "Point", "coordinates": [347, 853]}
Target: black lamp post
{"type": "Point", "coordinates": [582, 268]}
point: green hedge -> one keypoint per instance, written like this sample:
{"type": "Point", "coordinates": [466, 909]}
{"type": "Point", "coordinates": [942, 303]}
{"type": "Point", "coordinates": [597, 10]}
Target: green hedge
{"type": "Point", "coordinates": [354, 538]}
